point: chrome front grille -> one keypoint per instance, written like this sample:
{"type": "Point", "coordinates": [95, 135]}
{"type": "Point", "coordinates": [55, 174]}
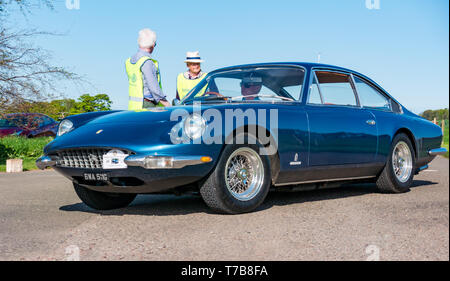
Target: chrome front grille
{"type": "Point", "coordinates": [82, 158]}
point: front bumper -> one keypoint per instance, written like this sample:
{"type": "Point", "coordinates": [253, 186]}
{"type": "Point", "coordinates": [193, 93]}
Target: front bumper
{"type": "Point", "coordinates": [136, 178]}
{"type": "Point", "coordinates": [146, 162]}
{"type": "Point", "coordinates": [46, 162]}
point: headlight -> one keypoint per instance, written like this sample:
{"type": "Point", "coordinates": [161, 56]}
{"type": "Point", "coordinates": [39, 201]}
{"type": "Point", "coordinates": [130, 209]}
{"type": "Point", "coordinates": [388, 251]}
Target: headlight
{"type": "Point", "coordinates": [64, 127]}
{"type": "Point", "coordinates": [194, 126]}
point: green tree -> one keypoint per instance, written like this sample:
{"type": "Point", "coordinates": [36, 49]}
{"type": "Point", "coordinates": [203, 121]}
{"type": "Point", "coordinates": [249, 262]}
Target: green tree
{"type": "Point", "coordinates": [88, 103]}
{"type": "Point", "coordinates": [440, 114]}
{"type": "Point", "coordinates": [27, 76]}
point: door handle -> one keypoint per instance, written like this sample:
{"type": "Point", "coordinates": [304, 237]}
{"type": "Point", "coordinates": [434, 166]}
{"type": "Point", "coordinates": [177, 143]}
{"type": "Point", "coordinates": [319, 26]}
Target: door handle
{"type": "Point", "coordinates": [371, 122]}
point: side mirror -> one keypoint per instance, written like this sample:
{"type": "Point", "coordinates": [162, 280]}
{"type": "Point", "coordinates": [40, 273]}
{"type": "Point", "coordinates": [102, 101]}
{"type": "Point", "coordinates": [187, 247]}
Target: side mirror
{"type": "Point", "coordinates": [176, 102]}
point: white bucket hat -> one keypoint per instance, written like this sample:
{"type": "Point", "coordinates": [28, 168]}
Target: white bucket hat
{"type": "Point", "coordinates": [193, 57]}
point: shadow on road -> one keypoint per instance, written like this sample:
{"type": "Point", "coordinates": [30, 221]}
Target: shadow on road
{"type": "Point", "coordinates": [170, 205]}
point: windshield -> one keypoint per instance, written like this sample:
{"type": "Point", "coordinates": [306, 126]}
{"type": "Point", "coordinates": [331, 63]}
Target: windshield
{"type": "Point", "coordinates": [250, 84]}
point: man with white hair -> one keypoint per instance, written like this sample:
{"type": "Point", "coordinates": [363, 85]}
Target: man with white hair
{"type": "Point", "coordinates": [189, 79]}
{"type": "Point", "coordinates": [144, 76]}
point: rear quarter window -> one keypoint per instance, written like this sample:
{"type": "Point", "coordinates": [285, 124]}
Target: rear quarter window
{"type": "Point", "coordinates": [371, 97]}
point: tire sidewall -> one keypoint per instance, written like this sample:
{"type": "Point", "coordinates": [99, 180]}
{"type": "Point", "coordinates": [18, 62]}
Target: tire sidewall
{"type": "Point", "coordinates": [401, 185]}
{"type": "Point", "coordinates": [222, 191]}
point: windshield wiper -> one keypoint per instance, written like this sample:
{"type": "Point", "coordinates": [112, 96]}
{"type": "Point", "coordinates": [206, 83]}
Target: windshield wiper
{"type": "Point", "coordinates": [211, 98]}
{"type": "Point", "coordinates": [264, 96]}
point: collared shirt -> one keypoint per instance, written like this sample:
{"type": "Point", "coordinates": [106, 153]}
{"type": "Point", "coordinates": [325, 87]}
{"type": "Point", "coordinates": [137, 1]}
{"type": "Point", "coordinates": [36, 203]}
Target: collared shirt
{"type": "Point", "coordinates": [152, 91]}
{"type": "Point", "coordinates": [189, 76]}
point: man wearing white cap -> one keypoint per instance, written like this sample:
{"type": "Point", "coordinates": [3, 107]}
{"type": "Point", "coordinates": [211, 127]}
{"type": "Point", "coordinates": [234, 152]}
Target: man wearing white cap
{"type": "Point", "coordinates": [189, 79]}
{"type": "Point", "coordinates": [144, 76]}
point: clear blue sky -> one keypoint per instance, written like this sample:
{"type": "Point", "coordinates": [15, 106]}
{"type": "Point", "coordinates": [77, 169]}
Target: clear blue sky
{"type": "Point", "coordinates": [403, 45]}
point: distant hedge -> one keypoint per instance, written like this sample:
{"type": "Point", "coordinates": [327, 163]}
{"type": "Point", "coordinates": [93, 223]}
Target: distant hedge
{"type": "Point", "coordinates": [19, 147]}
{"type": "Point", "coordinates": [440, 114]}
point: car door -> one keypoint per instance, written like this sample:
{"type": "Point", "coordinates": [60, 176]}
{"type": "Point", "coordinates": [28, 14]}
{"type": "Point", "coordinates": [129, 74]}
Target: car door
{"type": "Point", "coordinates": [341, 131]}
{"type": "Point", "coordinates": [385, 110]}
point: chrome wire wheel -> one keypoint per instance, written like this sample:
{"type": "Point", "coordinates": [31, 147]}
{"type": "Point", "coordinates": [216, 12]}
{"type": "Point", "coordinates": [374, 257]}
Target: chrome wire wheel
{"type": "Point", "coordinates": [244, 174]}
{"type": "Point", "coordinates": [402, 161]}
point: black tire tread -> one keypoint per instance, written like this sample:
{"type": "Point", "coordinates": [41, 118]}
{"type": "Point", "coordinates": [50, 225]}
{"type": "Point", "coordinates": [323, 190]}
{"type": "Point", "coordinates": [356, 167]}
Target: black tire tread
{"type": "Point", "coordinates": [102, 201]}
{"type": "Point", "coordinates": [209, 195]}
{"type": "Point", "coordinates": [219, 202]}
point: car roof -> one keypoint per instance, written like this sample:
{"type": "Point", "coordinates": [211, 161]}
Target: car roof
{"type": "Point", "coordinates": [308, 66]}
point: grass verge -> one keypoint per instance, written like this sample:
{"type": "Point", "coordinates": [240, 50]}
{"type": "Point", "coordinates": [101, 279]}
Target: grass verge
{"type": "Point", "coordinates": [29, 150]}
{"type": "Point", "coordinates": [29, 164]}
{"type": "Point", "coordinates": [445, 141]}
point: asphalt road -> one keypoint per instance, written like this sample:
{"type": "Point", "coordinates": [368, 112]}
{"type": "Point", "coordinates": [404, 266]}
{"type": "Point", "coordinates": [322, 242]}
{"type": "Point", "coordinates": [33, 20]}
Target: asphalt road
{"type": "Point", "coordinates": [41, 218]}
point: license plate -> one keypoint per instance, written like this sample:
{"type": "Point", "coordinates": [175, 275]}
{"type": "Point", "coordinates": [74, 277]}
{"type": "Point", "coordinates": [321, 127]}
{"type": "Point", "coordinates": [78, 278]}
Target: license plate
{"type": "Point", "coordinates": [114, 159]}
{"type": "Point", "coordinates": [95, 176]}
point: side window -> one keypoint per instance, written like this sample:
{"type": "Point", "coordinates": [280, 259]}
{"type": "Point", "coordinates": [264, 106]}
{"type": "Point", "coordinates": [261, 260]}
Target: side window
{"type": "Point", "coordinates": [294, 91]}
{"type": "Point", "coordinates": [314, 94]}
{"type": "Point", "coordinates": [336, 88]}
{"type": "Point", "coordinates": [370, 97]}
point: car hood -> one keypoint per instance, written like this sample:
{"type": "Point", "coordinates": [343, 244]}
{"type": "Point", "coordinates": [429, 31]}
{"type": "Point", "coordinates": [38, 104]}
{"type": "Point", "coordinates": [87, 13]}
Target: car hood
{"type": "Point", "coordinates": [137, 131]}
{"type": "Point", "coordinates": [150, 116]}
{"type": "Point", "coordinates": [130, 130]}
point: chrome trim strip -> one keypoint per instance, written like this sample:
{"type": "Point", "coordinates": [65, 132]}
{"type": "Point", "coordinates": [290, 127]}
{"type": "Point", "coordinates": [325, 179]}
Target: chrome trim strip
{"type": "Point", "coordinates": [46, 161]}
{"type": "Point", "coordinates": [135, 160]}
{"type": "Point", "coordinates": [316, 80]}
{"type": "Point", "coordinates": [422, 168]}
{"type": "Point", "coordinates": [355, 91]}
{"type": "Point", "coordinates": [326, 180]}
{"type": "Point", "coordinates": [178, 161]}
{"type": "Point", "coordinates": [437, 151]}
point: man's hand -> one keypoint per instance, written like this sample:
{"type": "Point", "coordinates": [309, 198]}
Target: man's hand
{"type": "Point", "coordinates": [165, 103]}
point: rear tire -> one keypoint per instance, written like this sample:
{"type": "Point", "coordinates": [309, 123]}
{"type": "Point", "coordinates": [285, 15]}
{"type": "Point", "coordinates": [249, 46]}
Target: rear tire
{"type": "Point", "coordinates": [240, 181]}
{"type": "Point", "coordinates": [102, 200]}
{"type": "Point", "coordinates": [398, 173]}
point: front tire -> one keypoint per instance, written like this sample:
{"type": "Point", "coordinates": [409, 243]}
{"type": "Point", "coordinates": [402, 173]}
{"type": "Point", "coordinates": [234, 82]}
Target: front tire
{"type": "Point", "coordinates": [398, 173]}
{"type": "Point", "coordinates": [240, 182]}
{"type": "Point", "coordinates": [102, 200]}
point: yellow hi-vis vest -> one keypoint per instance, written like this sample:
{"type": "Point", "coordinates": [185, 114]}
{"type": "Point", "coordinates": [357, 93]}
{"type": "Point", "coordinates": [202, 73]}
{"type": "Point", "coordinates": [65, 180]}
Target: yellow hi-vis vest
{"type": "Point", "coordinates": [184, 85]}
{"type": "Point", "coordinates": [136, 82]}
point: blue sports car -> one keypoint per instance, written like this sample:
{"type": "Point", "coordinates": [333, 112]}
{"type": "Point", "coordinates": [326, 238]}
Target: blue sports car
{"type": "Point", "coordinates": [242, 131]}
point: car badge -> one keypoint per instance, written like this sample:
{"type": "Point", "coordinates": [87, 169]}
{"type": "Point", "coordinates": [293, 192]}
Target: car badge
{"type": "Point", "coordinates": [295, 162]}
{"type": "Point", "coordinates": [99, 132]}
